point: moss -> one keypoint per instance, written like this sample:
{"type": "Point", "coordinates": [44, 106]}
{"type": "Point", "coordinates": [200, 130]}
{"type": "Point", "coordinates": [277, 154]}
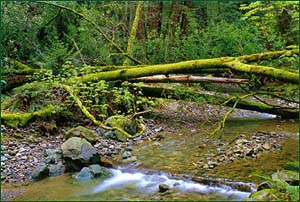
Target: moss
{"type": "Point", "coordinates": [21, 119]}
{"type": "Point", "coordinates": [187, 66]}
{"type": "Point", "coordinates": [264, 195]}
{"type": "Point", "coordinates": [268, 55]}
{"type": "Point", "coordinates": [265, 71]}
{"type": "Point", "coordinates": [133, 31]}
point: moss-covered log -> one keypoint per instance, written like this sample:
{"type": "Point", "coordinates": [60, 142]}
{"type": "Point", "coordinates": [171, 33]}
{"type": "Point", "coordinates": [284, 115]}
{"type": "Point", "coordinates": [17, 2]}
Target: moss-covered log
{"type": "Point", "coordinates": [180, 67]}
{"type": "Point", "coordinates": [12, 82]}
{"type": "Point", "coordinates": [267, 55]}
{"type": "Point", "coordinates": [264, 71]}
{"type": "Point", "coordinates": [21, 119]}
{"type": "Point", "coordinates": [216, 65]}
{"type": "Point", "coordinates": [219, 100]}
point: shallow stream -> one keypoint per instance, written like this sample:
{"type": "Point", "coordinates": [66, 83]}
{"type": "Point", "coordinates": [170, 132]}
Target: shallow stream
{"type": "Point", "coordinates": [176, 154]}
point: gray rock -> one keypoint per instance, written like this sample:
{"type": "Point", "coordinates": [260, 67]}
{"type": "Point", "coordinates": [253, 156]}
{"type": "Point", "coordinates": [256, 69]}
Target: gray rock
{"type": "Point", "coordinates": [163, 187]}
{"type": "Point", "coordinates": [84, 174]}
{"type": "Point", "coordinates": [56, 169]}
{"type": "Point", "coordinates": [49, 152]}
{"type": "Point", "coordinates": [78, 152]}
{"type": "Point", "coordinates": [40, 172]}
{"type": "Point", "coordinates": [96, 170]}
{"type": "Point", "coordinates": [126, 154]}
{"type": "Point", "coordinates": [3, 158]}
{"type": "Point", "coordinates": [53, 156]}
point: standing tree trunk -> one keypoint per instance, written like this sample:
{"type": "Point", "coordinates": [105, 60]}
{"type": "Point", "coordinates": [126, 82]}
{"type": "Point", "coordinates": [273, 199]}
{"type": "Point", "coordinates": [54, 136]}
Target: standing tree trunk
{"type": "Point", "coordinates": [185, 16]}
{"type": "Point", "coordinates": [133, 32]}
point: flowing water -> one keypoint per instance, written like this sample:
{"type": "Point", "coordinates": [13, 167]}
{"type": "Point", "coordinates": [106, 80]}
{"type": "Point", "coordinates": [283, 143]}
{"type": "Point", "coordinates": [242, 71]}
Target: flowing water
{"type": "Point", "coordinates": [160, 162]}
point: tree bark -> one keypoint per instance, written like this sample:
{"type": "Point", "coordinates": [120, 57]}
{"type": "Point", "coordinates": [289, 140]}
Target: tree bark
{"type": "Point", "coordinates": [187, 79]}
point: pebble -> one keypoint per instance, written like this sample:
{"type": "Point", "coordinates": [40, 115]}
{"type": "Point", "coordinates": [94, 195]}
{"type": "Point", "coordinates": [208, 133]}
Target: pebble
{"type": "Point", "coordinates": [266, 146]}
{"type": "Point", "coordinates": [126, 154]}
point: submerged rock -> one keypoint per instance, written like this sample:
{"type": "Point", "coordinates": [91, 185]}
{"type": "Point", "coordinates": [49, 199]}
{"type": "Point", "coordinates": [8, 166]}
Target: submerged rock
{"type": "Point", "coordinates": [40, 172]}
{"type": "Point", "coordinates": [96, 170]}
{"type": "Point", "coordinates": [163, 187]}
{"type": "Point", "coordinates": [56, 169]}
{"type": "Point", "coordinates": [93, 171]}
{"type": "Point", "coordinates": [78, 152]}
{"type": "Point", "coordinates": [84, 174]}
{"type": "Point", "coordinates": [83, 132]}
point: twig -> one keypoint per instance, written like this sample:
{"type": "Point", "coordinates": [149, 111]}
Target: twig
{"type": "Point", "coordinates": [221, 124]}
{"type": "Point", "coordinates": [81, 57]}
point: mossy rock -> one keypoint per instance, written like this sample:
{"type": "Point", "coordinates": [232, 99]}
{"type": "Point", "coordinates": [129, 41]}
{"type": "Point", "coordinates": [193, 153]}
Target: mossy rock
{"type": "Point", "coordinates": [264, 195]}
{"type": "Point", "coordinates": [83, 132]}
{"type": "Point", "coordinates": [122, 122]}
{"type": "Point", "coordinates": [288, 176]}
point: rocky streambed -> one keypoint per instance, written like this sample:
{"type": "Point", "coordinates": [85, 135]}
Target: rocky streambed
{"type": "Point", "coordinates": [172, 145]}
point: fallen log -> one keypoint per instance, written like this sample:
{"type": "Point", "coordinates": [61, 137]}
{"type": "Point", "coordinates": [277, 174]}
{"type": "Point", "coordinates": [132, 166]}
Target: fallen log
{"type": "Point", "coordinates": [187, 79]}
{"type": "Point", "coordinates": [190, 95]}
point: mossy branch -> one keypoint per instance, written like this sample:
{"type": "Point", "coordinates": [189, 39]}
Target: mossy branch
{"type": "Point", "coordinates": [96, 122]}
{"type": "Point", "coordinates": [221, 124]}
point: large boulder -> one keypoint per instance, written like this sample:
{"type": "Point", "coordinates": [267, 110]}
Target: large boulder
{"type": "Point", "coordinates": [83, 132]}
{"type": "Point", "coordinates": [78, 152]}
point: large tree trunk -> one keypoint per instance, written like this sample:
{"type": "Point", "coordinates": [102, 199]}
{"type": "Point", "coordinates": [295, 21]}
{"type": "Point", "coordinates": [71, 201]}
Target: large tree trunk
{"type": "Point", "coordinates": [218, 100]}
{"type": "Point", "coordinates": [187, 79]}
{"type": "Point", "coordinates": [133, 32]}
{"type": "Point", "coordinates": [193, 66]}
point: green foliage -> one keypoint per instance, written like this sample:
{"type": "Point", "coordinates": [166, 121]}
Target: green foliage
{"type": "Point", "coordinates": [293, 191]}
{"type": "Point", "coordinates": [104, 99]}
{"type": "Point", "coordinates": [274, 19]}
{"type": "Point", "coordinates": [283, 189]}
{"type": "Point", "coordinates": [54, 56]}
{"type": "Point", "coordinates": [31, 97]}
